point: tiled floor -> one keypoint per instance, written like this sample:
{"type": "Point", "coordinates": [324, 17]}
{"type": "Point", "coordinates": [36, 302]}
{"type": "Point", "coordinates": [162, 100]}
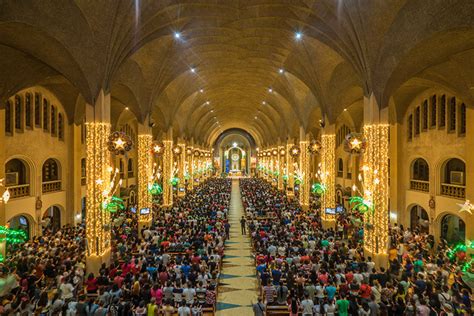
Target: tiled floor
{"type": "Point", "coordinates": [238, 285]}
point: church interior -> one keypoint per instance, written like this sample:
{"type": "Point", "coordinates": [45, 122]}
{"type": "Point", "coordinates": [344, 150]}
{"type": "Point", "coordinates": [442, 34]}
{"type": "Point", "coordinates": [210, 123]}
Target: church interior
{"type": "Point", "coordinates": [216, 157]}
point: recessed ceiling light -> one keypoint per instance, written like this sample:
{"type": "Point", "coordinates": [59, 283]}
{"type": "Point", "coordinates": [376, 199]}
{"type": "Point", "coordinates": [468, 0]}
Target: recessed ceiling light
{"type": "Point", "coordinates": [255, 117]}
{"type": "Point", "coordinates": [281, 70]}
{"type": "Point", "coordinates": [298, 35]}
{"type": "Point", "coordinates": [201, 90]}
{"type": "Point", "coordinates": [126, 108]}
{"type": "Point", "coordinates": [177, 35]}
{"type": "Point", "coordinates": [212, 111]}
{"type": "Point", "coordinates": [263, 102]}
{"type": "Point", "coordinates": [207, 102]}
{"type": "Point", "coordinates": [193, 70]}
{"type": "Point", "coordinates": [345, 109]}
{"type": "Point", "coordinates": [270, 90]}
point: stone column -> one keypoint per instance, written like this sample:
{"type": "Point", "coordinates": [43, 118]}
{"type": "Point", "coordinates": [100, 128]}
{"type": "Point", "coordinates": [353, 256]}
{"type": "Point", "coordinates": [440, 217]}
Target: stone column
{"type": "Point", "coordinates": [281, 166]}
{"type": "Point", "coordinates": [2, 176]}
{"type": "Point", "coordinates": [469, 139]}
{"type": "Point", "coordinates": [97, 180]}
{"type": "Point", "coordinates": [375, 172]}
{"type": "Point", "coordinates": [305, 171]}
{"type": "Point", "coordinates": [74, 183]}
{"type": "Point", "coordinates": [190, 163]}
{"type": "Point", "coordinates": [145, 170]}
{"type": "Point", "coordinates": [328, 174]}
{"type": "Point", "coordinates": [290, 185]}
{"type": "Point", "coordinates": [181, 167]}
{"type": "Point", "coordinates": [168, 169]}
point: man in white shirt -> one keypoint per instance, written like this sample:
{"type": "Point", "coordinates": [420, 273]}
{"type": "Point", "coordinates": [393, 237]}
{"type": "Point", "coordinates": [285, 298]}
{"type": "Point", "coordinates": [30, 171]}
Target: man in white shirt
{"type": "Point", "coordinates": [307, 306]}
{"type": "Point", "coordinates": [188, 294]}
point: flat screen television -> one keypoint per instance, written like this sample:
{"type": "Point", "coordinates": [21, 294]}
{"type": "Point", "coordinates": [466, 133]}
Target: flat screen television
{"type": "Point", "coordinates": [133, 210]}
{"type": "Point", "coordinates": [145, 211]}
{"type": "Point", "coordinates": [330, 211]}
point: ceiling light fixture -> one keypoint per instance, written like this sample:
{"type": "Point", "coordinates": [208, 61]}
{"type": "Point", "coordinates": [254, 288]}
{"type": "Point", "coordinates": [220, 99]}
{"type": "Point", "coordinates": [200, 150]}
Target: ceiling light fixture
{"type": "Point", "coordinates": [298, 35]}
{"type": "Point", "coordinates": [207, 102]}
{"type": "Point", "coordinates": [126, 108]}
{"type": "Point", "coordinates": [263, 102]}
{"type": "Point", "coordinates": [201, 90]}
{"type": "Point", "coordinates": [193, 70]}
{"type": "Point", "coordinates": [281, 70]}
{"type": "Point", "coordinates": [255, 117]}
{"type": "Point", "coordinates": [270, 90]}
{"type": "Point", "coordinates": [177, 35]}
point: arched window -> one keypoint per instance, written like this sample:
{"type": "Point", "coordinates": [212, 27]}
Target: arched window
{"type": "Point", "coordinates": [453, 229]}
{"type": "Point", "coordinates": [83, 167]}
{"type": "Point", "coordinates": [18, 112]}
{"type": "Point", "coordinates": [50, 170]}
{"type": "Point", "coordinates": [420, 170]}
{"type": "Point", "coordinates": [121, 167]}
{"type": "Point", "coordinates": [37, 110]}
{"type": "Point", "coordinates": [433, 111]}
{"type": "Point", "coordinates": [45, 115]}
{"type": "Point", "coordinates": [349, 168]}
{"type": "Point", "coordinates": [452, 115]}
{"type": "Point", "coordinates": [454, 178]}
{"type": "Point", "coordinates": [410, 127]}
{"type": "Point", "coordinates": [419, 219]}
{"type": "Point", "coordinates": [28, 122]}
{"type": "Point", "coordinates": [462, 120]}
{"type": "Point", "coordinates": [130, 168]}
{"type": "Point", "coordinates": [8, 118]}
{"type": "Point", "coordinates": [424, 121]}
{"type": "Point", "coordinates": [417, 121]}
{"type": "Point", "coordinates": [442, 112]}
{"type": "Point", "coordinates": [53, 120]}
{"type": "Point", "coordinates": [60, 126]}
{"type": "Point", "coordinates": [16, 173]}
{"type": "Point", "coordinates": [340, 168]}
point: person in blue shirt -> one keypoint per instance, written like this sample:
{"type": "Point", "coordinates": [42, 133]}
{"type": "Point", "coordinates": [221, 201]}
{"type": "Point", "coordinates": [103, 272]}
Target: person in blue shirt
{"type": "Point", "coordinates": [330, 291]}
{"type": "Point", "coordinates": [186, 268]}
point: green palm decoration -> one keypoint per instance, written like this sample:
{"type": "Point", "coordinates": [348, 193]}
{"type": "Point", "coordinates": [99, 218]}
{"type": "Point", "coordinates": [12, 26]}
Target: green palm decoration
{"type": "Point", "coordinates": [155, 189]}
{"type": "Point", "coordinates": [318, 188]}
{"type": "Point", "coordinates": [358, 203]}
{"type": "Point", "coordinates": [115, 204]}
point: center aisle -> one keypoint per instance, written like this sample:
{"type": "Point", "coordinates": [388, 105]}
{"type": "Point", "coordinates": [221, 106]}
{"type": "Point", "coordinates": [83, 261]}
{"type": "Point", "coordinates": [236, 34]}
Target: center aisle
{"type": "Point", "coordinates": [238, 285]}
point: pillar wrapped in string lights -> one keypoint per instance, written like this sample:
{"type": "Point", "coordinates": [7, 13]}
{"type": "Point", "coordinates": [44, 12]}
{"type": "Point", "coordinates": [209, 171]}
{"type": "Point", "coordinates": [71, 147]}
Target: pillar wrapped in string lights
{"type": "Point", "coordinates": [304, 169]}
{"type": "Point", "coordinates": [281, 166]}
{"type": "Point", "coordinates": [290, 186]}
{"type": "Point", "coordinates": [328, 175]}
{"type": "Point", "coordinates": [180, 154]}
{"type": "Point", "coordinates": [375, 174]}
{"type": "Point", "coordinates": [189, 167]}
{"type": "Point", "coordinates": [145, 175]}
{"type": "Point", "coordinates": [97, 179]}
{"type": "Point", "coordinates": [167, 172]}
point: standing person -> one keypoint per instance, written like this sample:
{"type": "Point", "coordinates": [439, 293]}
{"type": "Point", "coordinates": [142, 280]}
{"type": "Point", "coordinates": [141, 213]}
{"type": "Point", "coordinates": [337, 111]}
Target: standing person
{"type": "Point", "coordinates": [342, 306]}
{"type": "Point", "coordinates": [227, 229]}
{"type": "Point", "coordinates": [307, 305]}
{"type": "Point", "coordinates": [242, 225]}
{"type": "Point", "coordinates": [259, 308]}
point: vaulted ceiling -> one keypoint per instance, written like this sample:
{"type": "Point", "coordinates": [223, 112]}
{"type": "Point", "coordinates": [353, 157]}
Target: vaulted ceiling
{"type": "Point", "coordinates": [202, 67]}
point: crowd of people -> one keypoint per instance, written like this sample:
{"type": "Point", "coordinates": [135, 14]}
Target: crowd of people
{"type": "Point", "coordinates": [172, 266]}
{"type": "Point", "coordinates": [314, 271]}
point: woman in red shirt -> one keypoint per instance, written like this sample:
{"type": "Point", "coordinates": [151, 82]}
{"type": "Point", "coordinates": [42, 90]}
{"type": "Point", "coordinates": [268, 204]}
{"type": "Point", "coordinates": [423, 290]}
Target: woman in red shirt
{"type": "Point", "coordinates": [91, 284]}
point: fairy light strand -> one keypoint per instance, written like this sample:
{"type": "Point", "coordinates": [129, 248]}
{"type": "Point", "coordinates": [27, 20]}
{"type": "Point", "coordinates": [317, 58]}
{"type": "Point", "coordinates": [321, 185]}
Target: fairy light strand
{"type": "Point", "coordinates": [145, 175]}
{"type": "Point", "coordinates": [327, 174]}
{"type": "Point", "coordinates": [304, 171]}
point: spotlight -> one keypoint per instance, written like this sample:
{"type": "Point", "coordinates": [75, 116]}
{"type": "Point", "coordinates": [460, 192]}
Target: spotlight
{"type": "Point", "coordinates": [255, 117]}
{"type": "Point", "coordinates": [281, 70]}
{"type": "Point", "coordinates": [207, 102]}
{"type": "Point", "coordinates": [126, 108]}
{"type": "Point", "coordinates": [201, 90]}
{"type": "Point", "coordinates": [263, 102]}
{"type": "Point", "coordinates": [193, 70]}
{"type": "Point", "coordinates": [177, 35]}
{"type": "Point", "coordinates": [270, 90]}
{"type": "Point", "coordinates": [298, 35]}
{"type": "Point", "coordinates": [212, 111]}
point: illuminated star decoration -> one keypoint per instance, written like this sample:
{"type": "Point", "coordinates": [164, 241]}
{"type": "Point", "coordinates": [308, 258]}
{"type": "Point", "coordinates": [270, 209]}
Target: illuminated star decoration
{"type": "Point", "coordinates": [355, 143]}
{"type": "Point", "coordinates": [466, 207]}
{"type": "Point", "coordinates": [119, 143]}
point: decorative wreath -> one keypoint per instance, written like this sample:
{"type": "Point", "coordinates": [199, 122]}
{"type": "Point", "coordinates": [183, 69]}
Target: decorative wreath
{"type": "Point", "coordinates": [119, 143]}
{"type": "Point", "coordinates": [177, 150]}
{"type": "Point", "coordinates": [197, 153]}
{"type": "Point", "coordinates": [189, 151]}
{"type": "Point", "coordinates": [314, 147]}
{"type": "Point", "coordinates": [158, 148]}
{"type": "Point", "coordinates": [295, 151]}
{"type": "Point", "coordinates": [355, 143]}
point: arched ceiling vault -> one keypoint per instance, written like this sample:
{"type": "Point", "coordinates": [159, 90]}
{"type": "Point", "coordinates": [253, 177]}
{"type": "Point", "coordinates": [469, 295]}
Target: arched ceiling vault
{"type": "Point", "coordinates": [348, 49]}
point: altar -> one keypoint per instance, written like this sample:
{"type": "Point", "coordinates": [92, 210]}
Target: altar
{"type": "Point", "coordinates": [235, 173]}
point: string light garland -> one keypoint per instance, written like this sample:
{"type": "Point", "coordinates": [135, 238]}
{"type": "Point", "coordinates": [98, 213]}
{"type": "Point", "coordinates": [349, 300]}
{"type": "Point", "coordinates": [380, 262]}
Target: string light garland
{"type": "Point", "coordinates": [97, 179]}
{"type": "Point", "coordinates": [6, 194]}
{"type": "Point", "coordinates": [145, 175]}
{"type": "Point", "coordinates": [375, 176]}
{"type": "Point", "coordinates": [167, 172]}
{"type": "Point", "coordinates": [314, 147]}
{"type": "Point", "coordinates": [281, 164]}
{"type": "Point", "coordinates": [327, 175]}
{"type": "Point", "coordinates": [303, 172]}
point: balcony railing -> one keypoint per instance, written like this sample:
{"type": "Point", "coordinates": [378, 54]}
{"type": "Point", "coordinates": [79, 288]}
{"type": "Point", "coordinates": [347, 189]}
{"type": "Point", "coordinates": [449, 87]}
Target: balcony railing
{"type": "Point", "coordinates": [18, 191]}
{"type": "Point", "coordinates": [420, 185]}
{"type": "Point", "coordinates": [456, 191]}
{"type": "Point", "coordinates": [51, 186]}
{"type": "Point", "coordinates": [83, 181]}
{"type": "Point", "coordinates": [130, 174]}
